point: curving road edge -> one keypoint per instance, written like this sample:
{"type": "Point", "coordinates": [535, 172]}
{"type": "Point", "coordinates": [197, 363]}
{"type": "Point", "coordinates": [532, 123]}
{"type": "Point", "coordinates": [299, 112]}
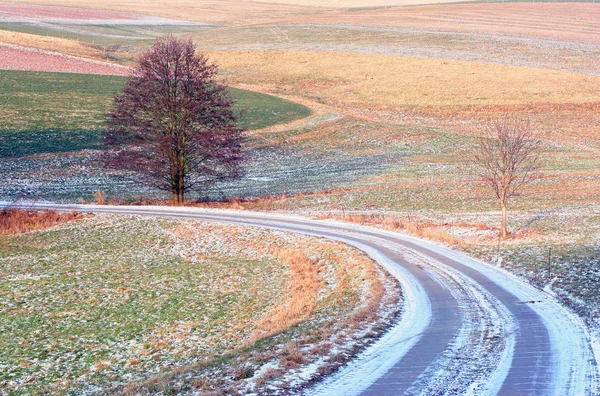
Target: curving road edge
{"type": "Point", "coordinates": [466, 327]}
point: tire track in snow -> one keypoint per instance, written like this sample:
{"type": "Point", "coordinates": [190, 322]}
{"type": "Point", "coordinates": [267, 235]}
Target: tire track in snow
{"type": "Point", "coordinates": [477, 361]}
{"type": "Point", "coordinates": [553, 351]}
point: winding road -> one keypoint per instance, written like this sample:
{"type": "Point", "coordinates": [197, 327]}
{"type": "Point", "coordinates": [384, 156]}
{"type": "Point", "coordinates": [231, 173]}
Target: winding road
{"type": "Point", "coordinates": [466, 328]}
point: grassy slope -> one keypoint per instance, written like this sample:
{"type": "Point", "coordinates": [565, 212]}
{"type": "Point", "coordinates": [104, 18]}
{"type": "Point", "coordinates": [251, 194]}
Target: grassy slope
{"type": "Point", "coordinates": [426, 110]}
{"type": "Point", "coordinates": [82, 295]}
{"type": "Point", "coordinates": [110, 300]}
{"type": "Point", "coordinates": [55, 112]}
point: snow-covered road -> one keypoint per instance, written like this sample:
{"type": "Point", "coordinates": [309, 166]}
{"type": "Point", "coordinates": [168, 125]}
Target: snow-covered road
{"type": "Point", "coordinates": [466, 328]}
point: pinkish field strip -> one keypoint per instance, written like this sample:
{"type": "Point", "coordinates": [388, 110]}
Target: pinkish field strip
{"type": "Point", "coordinates": [31, 13]}
{"type": "Point", "coordinates": [44, 12]}
{"type": "Point", "coordinates": [13, 57]}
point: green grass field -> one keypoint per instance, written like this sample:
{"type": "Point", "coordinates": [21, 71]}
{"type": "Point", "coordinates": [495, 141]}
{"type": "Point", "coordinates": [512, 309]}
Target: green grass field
{"type": "Point", "coordinates": [101, 302]}
{"type": "Point", "coordinates": [58, 112]}
{"type": "Point", "coordinates": [79, 296]}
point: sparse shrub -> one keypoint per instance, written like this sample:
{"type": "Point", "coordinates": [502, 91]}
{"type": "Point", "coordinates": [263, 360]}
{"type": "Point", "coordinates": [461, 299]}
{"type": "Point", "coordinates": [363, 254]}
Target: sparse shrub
{"type": "Point", "coordinates": [101, 366]}
{"type": "Point", "coordinates": [263, 357]}
{"type": "Point", "coordinates": [338, 358]}
{"type": "Point", "coordinates": [17, 221]}
{"type": "Point", "coordinates": [100, 197]}
{"type": "Point", "coordinates": [506, 157]}
{"type": "Point", "coordinates": [244, 371]}
{"type": "Point", "coordinates": [292, 356]}
{"type": "Point", "coordinates": [267, 375]}
{"type": "Point", "coordinates": [200, 383]}
{"type": "Point", "coordinates": [321, 349]}
{"type": "Point", "coordinates": [132, 363]}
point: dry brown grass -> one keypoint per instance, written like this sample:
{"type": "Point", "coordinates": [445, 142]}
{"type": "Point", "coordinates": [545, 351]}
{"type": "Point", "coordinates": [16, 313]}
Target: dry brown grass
{"type": "Point", "coordinates": [267, 375]}
{"type": "Point", "coordinates": [102, 366]}
{"type": "Point", "coordinates": [291, 356]}
{"type": "Point", "coordinates": [351, 79]}
{"type": "Point", "coordinates": [46, 43]}
{"type": "Point", "coordinates": [100, 197]}
{"type": "Point", "coordinates": [303, 288]}
{"type": "Point", "coordinates": [369, 311]}
{"type": "Point", "coordinates": [17, 221]}
{"type": "Point", "coordinates": [425, 229]}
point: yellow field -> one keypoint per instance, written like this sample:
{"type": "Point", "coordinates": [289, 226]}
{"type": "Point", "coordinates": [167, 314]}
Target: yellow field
{"type": "Point", "coordinates": [390, 81]}
{"type": "Point", "coordinates": [65, 46]}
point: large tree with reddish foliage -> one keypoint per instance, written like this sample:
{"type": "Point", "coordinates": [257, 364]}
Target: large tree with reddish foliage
{"type": "Point", "coordinates": [173, 123]}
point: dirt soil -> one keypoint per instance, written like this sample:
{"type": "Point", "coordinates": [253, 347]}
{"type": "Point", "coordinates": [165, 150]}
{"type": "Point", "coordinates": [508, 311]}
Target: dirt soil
{"type": "Point", "coordinates": [577, 22]}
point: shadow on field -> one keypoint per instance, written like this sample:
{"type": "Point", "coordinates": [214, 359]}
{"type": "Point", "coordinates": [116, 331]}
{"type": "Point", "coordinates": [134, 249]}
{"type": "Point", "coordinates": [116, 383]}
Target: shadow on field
{"type": "Point", "coordinates": [22, 143]}
{"type": "Point", "coordinates": [269, 171]}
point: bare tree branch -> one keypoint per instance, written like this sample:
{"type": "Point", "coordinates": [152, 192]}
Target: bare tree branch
{"type": "Point", "coordinates": [506, 157]}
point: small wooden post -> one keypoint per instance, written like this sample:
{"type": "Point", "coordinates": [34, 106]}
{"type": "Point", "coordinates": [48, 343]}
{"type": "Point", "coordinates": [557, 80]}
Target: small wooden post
{"type": "Point", "coordinates": [549, 261]}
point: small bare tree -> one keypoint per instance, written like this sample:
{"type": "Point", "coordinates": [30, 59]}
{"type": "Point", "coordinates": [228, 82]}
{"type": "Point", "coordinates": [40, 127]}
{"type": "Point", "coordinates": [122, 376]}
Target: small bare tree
{"type": "Point", "coordinates": [506, 157]}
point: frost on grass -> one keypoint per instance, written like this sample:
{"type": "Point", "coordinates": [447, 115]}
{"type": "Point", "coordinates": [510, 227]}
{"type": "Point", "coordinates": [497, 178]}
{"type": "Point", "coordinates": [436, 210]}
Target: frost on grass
{"type": "Point", "coordinates": [130, 303]}
{"type": "Point", "coordinates": [571, 272]}
{"type": "Point", "coordinates": [556, 250]}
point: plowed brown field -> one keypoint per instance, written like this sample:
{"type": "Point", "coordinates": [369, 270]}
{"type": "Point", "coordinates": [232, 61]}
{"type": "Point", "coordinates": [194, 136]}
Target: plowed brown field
{"type": "Point", "coordinates": [553, 21]}
{"type": "Point", "coordinates": [236, 12]}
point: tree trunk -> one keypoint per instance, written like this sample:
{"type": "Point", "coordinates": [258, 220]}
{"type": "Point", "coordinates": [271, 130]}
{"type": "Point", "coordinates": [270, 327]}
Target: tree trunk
{"type": "Point", "coordinates": [504, 233]}
{"type": "Point", "coordinates": [180, 187]}
{"type": "Point", "coordinates": [178, 195]}
{"type": "Point", "coordinates": [177, 186]}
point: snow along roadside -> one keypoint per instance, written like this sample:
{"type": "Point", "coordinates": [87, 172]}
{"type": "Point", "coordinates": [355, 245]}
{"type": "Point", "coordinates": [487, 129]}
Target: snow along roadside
{"type": "Point", "coordinates": [378, 358]}
{"type": "Point", "coordinates": [570, 339]}
{"type": "Point", "coordinates": [486, 346]}
{"type": "Point", "coordinates": [574, 349]}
